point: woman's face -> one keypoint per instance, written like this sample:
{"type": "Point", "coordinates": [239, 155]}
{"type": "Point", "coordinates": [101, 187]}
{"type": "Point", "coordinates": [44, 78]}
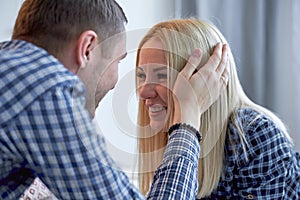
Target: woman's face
{"type": "Point", "coordinates": [152, 81]}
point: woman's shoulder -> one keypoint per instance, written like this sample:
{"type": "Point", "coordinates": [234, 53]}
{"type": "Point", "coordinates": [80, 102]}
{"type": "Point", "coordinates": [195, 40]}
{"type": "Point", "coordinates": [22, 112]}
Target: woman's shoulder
{"type": "Point", "coordinates": [252, 123]}
{"type": "Point", "coordinates": [247, 117]}
{"type": "Point", "coordinates": [251, 133]}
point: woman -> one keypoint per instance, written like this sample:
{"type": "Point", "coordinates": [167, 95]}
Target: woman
{"type": "Point", "coordinates": [246, 151]}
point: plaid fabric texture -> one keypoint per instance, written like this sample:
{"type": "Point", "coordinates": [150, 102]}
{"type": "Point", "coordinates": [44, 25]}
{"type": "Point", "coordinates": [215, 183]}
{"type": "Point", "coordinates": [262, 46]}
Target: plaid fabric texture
{"type": "Point", "coordinates": [272, 169]}
{"type": "Point", "coordinates": [46, 132]}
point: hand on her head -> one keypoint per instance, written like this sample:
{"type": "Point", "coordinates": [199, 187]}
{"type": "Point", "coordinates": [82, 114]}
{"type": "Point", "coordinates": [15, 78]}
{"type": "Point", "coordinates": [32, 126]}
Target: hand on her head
{"type": "Point", "coordinates": [194, 92]}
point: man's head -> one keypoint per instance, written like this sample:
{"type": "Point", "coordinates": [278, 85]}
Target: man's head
{"type": "Point", "coordinates": [52, 24]}
{"type": "Point", "coordinates": [85, 35]}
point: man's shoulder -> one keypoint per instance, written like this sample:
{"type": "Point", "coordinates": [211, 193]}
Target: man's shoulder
{"type": "Point", "coordinates": [27, 72]}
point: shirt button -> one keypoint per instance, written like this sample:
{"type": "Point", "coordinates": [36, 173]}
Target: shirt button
{"type": "Point", "coordinates": [250, 196]}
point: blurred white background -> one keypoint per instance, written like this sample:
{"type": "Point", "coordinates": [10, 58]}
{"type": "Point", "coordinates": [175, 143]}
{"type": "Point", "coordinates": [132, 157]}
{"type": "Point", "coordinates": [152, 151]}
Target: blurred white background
{"type": "Point", "coordinates": [8, 13]}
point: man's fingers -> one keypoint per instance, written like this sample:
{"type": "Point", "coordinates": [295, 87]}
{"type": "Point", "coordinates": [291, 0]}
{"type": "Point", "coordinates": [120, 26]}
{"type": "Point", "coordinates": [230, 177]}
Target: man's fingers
{"type": "Point", "coordinates": [225, 76]}
{"type": "Point", "coordinates": [216, 56]}
{"type": "Point", "coordinates": [224, 60]}
{"type": "Point", "coordinates": [192, 63]}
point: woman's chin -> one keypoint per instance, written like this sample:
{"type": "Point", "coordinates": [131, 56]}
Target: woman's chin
{"type": "Point", "coordinates": [156, 126]}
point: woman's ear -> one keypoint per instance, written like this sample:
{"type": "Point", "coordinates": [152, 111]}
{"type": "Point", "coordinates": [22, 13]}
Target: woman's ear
{"type": "Point", "coordinates": [85, 44]}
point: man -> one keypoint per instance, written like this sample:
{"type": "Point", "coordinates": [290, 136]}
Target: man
{"type": "Point", "coordinates": [60, 64]}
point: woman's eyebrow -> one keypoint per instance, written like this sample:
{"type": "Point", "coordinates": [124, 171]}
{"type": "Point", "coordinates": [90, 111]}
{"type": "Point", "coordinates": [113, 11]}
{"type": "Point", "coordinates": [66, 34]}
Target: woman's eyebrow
{"type": "Point", "coordinates": [140, 68]}
{"type": "Point", "coordinates": [160, 68]}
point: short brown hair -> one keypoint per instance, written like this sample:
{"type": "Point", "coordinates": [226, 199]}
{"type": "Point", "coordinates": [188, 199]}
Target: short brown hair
{"type": "Point", "coordinates": [52, 23]}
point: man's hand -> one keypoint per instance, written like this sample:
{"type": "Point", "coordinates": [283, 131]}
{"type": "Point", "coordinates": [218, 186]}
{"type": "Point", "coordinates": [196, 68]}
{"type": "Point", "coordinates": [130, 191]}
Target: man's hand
{"type": "Point", "coordinates": [194, 92]}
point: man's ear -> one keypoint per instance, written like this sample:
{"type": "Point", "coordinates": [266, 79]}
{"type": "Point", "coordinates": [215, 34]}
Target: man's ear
{"type": "Point", "coordinates": [85, 44]}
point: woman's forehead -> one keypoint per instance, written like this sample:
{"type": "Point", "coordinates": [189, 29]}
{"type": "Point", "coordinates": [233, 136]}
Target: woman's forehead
{"type": "Point", "coordinates": [150, 55]}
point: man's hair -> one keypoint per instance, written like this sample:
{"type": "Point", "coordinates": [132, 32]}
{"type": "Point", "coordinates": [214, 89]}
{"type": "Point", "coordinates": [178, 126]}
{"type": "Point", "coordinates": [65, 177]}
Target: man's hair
{"type": "Point", "coordinates": [51, 24]}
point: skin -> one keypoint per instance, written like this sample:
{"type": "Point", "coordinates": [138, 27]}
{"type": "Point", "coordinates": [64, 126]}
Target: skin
{"type": "Point", "coordinates": [152, 82]}
{"type": "Point", "coordinates": [99, 74]}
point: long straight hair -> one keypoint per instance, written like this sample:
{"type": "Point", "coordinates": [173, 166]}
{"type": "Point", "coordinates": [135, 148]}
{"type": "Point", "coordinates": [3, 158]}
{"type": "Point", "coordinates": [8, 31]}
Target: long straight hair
{"type": "Point", "coordinates": [179, 38]}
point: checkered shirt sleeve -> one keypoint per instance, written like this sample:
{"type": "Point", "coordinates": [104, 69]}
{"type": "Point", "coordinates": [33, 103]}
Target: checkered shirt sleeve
{"type": "Point", "coordinates": [178, 175]}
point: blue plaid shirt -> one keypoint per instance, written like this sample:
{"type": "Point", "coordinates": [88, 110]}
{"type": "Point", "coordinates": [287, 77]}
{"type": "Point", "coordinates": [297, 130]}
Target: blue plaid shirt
{"type": "Point", "coordinates": [272, 170]}
{"type": "Point", "coordinates": [46, 132]}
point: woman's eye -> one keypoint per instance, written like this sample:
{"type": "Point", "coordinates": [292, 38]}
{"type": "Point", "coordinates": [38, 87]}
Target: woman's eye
{"type": "Point", "coordinates": [141, 76]}
{"type": "Point", "coordinates": [162, 76]}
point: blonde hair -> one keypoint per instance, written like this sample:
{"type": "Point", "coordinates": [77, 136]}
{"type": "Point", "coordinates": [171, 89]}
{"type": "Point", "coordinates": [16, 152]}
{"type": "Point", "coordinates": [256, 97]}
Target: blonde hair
{"type": "Point", "coordinates": [179, 38]}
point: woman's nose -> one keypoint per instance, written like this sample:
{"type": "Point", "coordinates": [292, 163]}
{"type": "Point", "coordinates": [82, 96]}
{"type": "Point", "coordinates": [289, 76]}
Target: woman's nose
{"type": "Point", "coordinates": [147, 91]}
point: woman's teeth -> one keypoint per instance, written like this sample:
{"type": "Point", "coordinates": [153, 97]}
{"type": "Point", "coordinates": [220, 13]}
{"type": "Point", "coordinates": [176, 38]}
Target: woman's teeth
{"type": "Point", "coordinates": [156, 108]}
